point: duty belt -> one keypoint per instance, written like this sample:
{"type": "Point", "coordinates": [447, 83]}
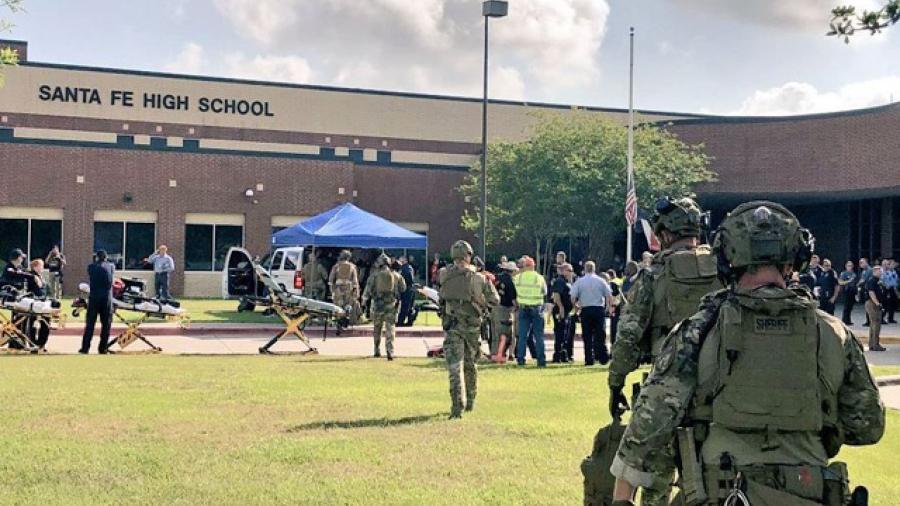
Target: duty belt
{"type": "Point", "coordinates": [803, 481]}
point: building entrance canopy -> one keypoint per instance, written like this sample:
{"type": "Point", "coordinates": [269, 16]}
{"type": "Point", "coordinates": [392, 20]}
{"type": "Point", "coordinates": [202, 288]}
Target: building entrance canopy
{"type": "Point", "coordinates": [348, 226]}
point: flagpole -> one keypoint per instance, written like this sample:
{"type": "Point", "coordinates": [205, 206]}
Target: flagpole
{"type": "Point", "coordinates": [628, 252]}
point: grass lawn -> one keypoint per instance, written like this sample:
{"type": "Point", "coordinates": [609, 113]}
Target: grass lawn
{"type": "Point", "coordinates": [291, 430]}
{"type": "Point", "coordinates": [885, 370]}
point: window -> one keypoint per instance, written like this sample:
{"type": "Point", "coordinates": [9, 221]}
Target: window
{"type": "Point", "coordinates": [291, 260]}
{"type": "Point", "coordinates": [127, 244]}
{"type": "Point", "coordinates": [205, 246]}
{"type": "Point", "coordinates": [276, 260]}
{"type": "Point", "coordinates": [35, 237]}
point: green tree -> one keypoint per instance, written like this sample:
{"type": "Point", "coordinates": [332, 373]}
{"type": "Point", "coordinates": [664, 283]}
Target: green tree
{"type": "Point", "coordinates": [569, 179]}
{"type": "Point", "coordinates": [845, 21]}
{"type": "Point", "coordinates": [8, 56]}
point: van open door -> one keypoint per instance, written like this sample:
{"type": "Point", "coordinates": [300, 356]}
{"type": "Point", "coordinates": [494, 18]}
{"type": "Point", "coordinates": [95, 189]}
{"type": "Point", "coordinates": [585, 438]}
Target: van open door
{"type": "Point", "coordinates": [238, 276]}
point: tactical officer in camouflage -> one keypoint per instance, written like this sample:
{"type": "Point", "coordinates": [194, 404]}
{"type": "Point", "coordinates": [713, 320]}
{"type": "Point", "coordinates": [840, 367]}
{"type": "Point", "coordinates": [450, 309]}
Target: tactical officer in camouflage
{"type": "Point", "coordinates": [465, 297]}
{"type": "Point", "coordinates": [344, 281]}
{"type": "Point", "coordinates": [667, 292]}
{"type": "Point", "coordinates": [315, 278]}
{"type": "Point", "coordinates": [384, 288]}
{"type": "Point", "coordinates": [760, 388]}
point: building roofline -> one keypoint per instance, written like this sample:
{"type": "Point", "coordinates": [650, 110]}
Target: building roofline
{"type": "Point", "coordinates": [362, 91]}
{"type": "Point", "coordinates": [779, 119]}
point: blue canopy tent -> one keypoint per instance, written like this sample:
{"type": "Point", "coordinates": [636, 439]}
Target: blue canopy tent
{"type": "Point", "coordinates": [347, 226]}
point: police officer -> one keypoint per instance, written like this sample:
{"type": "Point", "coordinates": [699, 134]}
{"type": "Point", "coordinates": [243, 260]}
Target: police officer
{"type": "Point", "coordinates": [100, 275]}
{"type": "Point", "coordinates": [344, 281]}
{"type": "Point", "coordinates": [762, 412]}
{"type": "Point", "coordinates": [383, 288]}
{"type": "Point", "coordinates": [465, 296]}
{"type": "Point", "coordinates": [503, 314]}
{"type": "Point", "coordinates": [663, 294]}
{"type": "Point", "coordinates": [315, 278]}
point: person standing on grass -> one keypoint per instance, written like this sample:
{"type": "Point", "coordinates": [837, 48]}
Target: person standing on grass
{"type": "Point", "coordinates": [163, 266]}
{"type": "Point", "coordinates": [592, 296]}
{"type": "Point", "coordinates": [531, 288]}
{"type": "Point", "coordinates": [465, 297]}
{"type": "Point", "coordinates": [100, 277]}
{"type": "Point", "coordinates": [563, 324]}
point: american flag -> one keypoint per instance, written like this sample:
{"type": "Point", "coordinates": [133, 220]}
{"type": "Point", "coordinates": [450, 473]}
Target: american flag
{"type": "Point", "coordinates": [631, 206]}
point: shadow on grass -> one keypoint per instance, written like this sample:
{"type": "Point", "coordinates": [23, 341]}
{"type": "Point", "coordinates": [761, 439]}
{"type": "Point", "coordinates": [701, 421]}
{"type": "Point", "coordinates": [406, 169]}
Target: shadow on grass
{"type": "Point", "coordinates": [370, 422]}
{"type": "Point", "coordinates": [312, 360]}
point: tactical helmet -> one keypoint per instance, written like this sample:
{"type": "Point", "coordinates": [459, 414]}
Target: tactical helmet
{"type": "Point", "coordinates": [460, 249]}
{"type": "Point", "coordinates": [761, 233]}
{"type": "Point", "coordinates": [682, 217]}
{"type": "Point", "coordinates": [345, 255]}
{"type": "Point", "coordinates": [382, 261]}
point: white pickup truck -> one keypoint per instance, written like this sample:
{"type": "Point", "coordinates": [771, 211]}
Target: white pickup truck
{"type": "Point", "coordinates": [283, 264]}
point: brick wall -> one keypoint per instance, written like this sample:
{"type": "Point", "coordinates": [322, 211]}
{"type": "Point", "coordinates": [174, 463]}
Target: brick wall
{"type": "Point", "coordinates": [213, 183]}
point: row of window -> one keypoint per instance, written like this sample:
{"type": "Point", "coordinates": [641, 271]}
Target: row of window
{"type": "Point", "coordinates": [127, 243]}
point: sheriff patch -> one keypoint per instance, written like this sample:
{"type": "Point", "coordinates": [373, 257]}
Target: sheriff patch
{"type": "Point", "coordinates": [772, 325]}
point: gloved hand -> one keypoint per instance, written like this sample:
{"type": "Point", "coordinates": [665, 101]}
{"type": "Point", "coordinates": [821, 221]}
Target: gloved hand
{"type": "Point", "coordinates": [618, 404]}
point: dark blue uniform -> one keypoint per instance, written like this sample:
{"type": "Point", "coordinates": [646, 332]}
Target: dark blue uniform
{"type": "Point", "coordinates": [100, 277]}
{"type": "Point", "coordinates": [407, 297]}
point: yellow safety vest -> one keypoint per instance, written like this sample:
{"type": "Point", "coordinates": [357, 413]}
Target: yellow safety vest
{"type": "Point", "coordinates": [529, 288]}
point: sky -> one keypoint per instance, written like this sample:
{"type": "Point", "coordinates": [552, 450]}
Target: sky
{"type": "Point", "coordinates": [755, 57]}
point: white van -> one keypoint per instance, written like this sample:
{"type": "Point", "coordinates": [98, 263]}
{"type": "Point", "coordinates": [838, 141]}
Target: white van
{"type": "Point", "coordinates": [283, 264]}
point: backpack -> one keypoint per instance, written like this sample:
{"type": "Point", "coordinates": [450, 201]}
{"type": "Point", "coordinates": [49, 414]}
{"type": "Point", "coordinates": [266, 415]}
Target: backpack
{"type": "Point", "coordinates": [598, 481]}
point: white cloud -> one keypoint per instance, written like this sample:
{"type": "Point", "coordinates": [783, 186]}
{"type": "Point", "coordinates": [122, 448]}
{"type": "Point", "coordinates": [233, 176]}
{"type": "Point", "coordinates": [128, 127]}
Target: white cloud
{"type": "Point", "coordinates": [292, 69]}
{"type": "Point", "coordinates": [191, 60]}
{"type": "Point", "coordinates": [811, 15]}
{"type": "Point", "coordinates": [803, 98]}
{"type": "Point", "coordinates": [432, 45]}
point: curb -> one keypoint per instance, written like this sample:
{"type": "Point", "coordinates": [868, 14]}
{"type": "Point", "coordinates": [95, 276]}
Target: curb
{"type": "Point", "coordinates": [888, 381]}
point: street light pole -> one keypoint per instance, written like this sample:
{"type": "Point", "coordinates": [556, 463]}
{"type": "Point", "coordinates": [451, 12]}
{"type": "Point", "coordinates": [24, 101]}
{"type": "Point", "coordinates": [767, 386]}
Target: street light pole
{"type": "Point", "coordinates": [489, 9]}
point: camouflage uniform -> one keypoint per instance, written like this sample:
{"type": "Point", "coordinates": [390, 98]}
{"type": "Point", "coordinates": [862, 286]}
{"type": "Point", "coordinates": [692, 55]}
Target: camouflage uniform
{"type": "Point", "coordinates": [771, 386]}
{"type": "Point", "coordinates": [344, 281]}
{"type": "Point", "coordinates": [384, 288]}
{"type": "Point", "coordinates": [315, 278]}
{"type": "Point", "coordinates": [464, 297]}
{"type": "Point", "coordinates": [663, 294]}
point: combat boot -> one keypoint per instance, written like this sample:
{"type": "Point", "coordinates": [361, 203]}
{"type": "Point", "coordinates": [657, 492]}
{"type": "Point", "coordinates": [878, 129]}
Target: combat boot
{"type": "Point", "coordinates": [390, 356]}
{"type": "Point", "coordinates": [377, 354]}
{"type": "Point", "coordinates": [470, 405]}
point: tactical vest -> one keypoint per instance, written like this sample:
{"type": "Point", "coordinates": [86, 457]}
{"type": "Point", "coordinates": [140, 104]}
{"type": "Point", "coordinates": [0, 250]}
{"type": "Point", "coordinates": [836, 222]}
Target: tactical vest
{"type": "Point", "coordinates": [385, 282]}
{"type": "Point", "coordinates": [770, 365]}
{"type": "Point", "coordinates": [461, 291]}
{"type": "Point", "coordinates": [528, 288]}
{"type": "Point", "coordinates": [685, 277]}
{"type": "Point", "coordinates": [344, 272]}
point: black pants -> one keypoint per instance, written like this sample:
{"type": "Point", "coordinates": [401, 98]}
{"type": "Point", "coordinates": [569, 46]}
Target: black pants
{"type": "Point", "coordinates": [406, 302]}
{"type": "Point", "coordinates": [849, 302]}
{"type": "Point", "coordinates": [890, 304]}
{"type": "Point", "coordinates": [97, 309]}
{"type": "Point", "coordinates": [563, 334]}
{"type": "Point", "coordinates": [825, 303]}
{"type": "Point", "coordinates": [593, 333]}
